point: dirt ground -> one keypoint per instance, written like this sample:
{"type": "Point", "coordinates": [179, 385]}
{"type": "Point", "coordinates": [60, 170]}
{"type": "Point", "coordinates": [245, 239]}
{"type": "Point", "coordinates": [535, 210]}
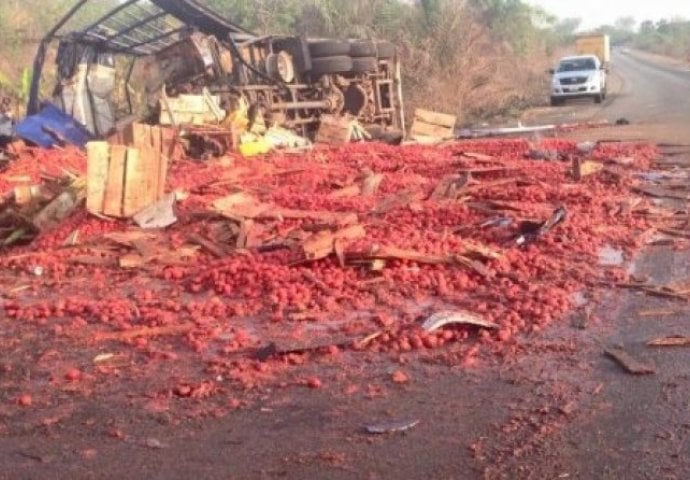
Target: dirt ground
{"type": "Point", "coordinates": [558, 409]}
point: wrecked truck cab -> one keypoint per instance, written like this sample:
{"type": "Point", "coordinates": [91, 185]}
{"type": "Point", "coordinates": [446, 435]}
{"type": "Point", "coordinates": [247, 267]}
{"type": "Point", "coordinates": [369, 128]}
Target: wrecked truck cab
{"type": "Point", "coordinates": [130, 61]}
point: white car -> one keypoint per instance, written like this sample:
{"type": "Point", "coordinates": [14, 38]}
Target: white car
{"type": "Point", "coordinates": [578, 77]}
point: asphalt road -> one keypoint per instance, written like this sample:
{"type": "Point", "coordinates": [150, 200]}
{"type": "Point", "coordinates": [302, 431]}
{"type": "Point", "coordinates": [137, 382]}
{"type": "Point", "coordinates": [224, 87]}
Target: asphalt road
{"type": "Point", "coordinates": [652, 93]}
{"type": "Point", "coordinates": [561, 410]}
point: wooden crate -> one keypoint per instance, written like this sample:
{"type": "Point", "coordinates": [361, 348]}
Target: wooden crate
{"type": "Point", "coordinates": [122, 180]}
{"type": "Point", "coordinates": [201, 109]}
{"type": "Point", "coordinates": [336, 130]}
{"type": "Point", "coordinates": [430, 127]}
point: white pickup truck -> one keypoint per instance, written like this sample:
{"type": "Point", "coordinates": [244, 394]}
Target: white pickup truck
{"type": "Point", "coordinates": [578, 77]}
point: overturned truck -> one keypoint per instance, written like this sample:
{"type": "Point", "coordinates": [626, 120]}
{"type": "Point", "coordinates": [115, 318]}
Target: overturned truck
{"type": "Point", "coordinates": [126, 64]}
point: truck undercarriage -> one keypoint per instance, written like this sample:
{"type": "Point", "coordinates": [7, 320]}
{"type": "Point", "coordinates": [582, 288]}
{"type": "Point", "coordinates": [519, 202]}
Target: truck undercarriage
{"type": "Point", "coordinates": [182, 47]}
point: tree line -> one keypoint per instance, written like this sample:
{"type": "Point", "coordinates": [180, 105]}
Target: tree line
{"type": "Point", "coordinates": [667, 37]}
{"type": "Point", "coordinates": [473, 58]}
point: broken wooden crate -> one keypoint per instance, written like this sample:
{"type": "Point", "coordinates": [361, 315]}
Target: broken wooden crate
{"type": "Point", "coordinates": [337, 130]}
{"type": "Point", "coordinates": [191, 109]}
{"type": "Point", "coordinates": [123, 180]}
{"type": "Point", "coordinates": [432, 127]}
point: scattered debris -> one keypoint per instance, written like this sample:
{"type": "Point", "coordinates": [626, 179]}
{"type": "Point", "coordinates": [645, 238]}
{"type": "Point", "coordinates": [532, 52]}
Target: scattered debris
{"type": "Point", "coordinates": [585, 168]}
{"type": "Point", "coordinates": [432, 127]}
{"type": "Point", "coordinates": [630, 364]}
{"type": "Point", "coordinates": [442, 319]}
{"type": "Point", "coordinates": [671, 341]}
{"type": "Point", "coordinates": [391, 427]}
{"type": "Point", "coordinates": [121, 180]}
{"type": "Point", "coordinates": [530, 231]}
{"type": "Point", "coordinates": [159, 215]}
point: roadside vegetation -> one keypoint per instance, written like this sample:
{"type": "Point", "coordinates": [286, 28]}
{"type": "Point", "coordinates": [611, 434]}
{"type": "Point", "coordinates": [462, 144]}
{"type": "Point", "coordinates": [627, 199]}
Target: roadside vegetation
{"type": "Point", "coordinates": [473, 58]}
{"type": "Point", "coordinates": [665, 37]}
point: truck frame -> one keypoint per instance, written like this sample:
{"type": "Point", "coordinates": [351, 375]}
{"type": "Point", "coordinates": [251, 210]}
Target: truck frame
{"type": "Point", "coordinates": [292, 81]}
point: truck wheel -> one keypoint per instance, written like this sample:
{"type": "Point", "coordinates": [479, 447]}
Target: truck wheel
{"type": "Point", "coordinates": [556, 102]}
{"type": "Point", "coordinates": [328, 48]}
{"type": "Point", "coordinates": [362, 48]}
{"type": "Point", "coordinates": [365, 65]}
{"type": "Point", "coordinates": [599, 98]}
{"type": "Point", "coordinates": [385, 50]}
{"type": "Point", "coordinates": [327, 65]}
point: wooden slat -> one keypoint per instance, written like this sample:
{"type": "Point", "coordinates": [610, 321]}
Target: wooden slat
{"type": "Point", "coordinates": [435, 118]}
{"type": "Point", "coordinates": [150, 159]}
{"type": "Point", "coordinates": [141, 134]}
{"type": "Point", "coordinates": [163, 163]}
{"type": "Point", "coordinates": [135, 184]}
{"type": "Point", "coordinates": [96, 175]}
{"type": "Point", "coordinates": [429, 130]}
{"type": "Point", "coordinates": [112, 204]}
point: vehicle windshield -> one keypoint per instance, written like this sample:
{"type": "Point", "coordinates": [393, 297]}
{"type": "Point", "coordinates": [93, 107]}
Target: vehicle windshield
{"type": "Point", "coordinates": [577, 65]}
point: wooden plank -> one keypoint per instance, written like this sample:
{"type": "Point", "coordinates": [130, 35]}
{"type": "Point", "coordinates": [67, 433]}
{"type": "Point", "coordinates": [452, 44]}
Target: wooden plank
{"type": "Point", "coordinates": [150, 162]}
{"type": "Point", "coordinates": [168, 137]}
{"type": "Point", "coordinates": [141, 134]}
{"type": "Point", "coordinates": [135, 184]}
{"type": "Point", "coordinates": [430, 130]}
{"type": "Point", "coordinates": [630, 364]}
{"type": "Point", "coordinates": [162, 177]}
{"type": "Point", "coordinates": [114, 191]}
{"type": "Point", "coordinates": [157, 139]}
{"type": "Point", "coordinates": [96, 175]}
{"type": "Point", "coordinates": [435, 118]}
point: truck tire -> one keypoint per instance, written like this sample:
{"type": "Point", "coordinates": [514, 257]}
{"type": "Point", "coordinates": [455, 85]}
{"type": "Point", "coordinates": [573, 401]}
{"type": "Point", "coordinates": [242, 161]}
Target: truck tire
{"type": "Point", "coordinates": [556, 102]}
{"type": "Point", "coordinates": [362, 48]}
{"type": "Point", "coordinates": [365, 65]}
{"type": "Point", "coordinates": [385, 50]}
{"type": "Point", "coordinates": [328, 48]}
{"type": "Point", "coordinates": [328, 65]}
{"type": "Point", "coordinates": [598, 98]}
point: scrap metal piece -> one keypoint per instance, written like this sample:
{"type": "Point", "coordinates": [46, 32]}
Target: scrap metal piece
{"type": "Point", "coordinates": [531, 231]}
{"type": "Point", "coordinates": [391, 427]}
{"type": "Point", "coordinates": [441, 319]}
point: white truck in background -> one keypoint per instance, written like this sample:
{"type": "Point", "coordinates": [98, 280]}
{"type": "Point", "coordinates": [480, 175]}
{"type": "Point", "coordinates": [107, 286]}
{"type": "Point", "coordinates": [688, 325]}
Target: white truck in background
{"type": "Point", "coordinates": [583, 75]}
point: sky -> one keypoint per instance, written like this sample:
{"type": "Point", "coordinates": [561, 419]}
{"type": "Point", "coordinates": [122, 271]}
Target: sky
{"type": "Point", "coordinates": [597, 12]}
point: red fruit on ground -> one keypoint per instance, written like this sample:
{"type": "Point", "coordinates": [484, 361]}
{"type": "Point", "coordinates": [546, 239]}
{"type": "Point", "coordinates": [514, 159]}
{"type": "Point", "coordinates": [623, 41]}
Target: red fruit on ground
{"type": "Point", "coordinates": [73, 375]}
{"type": "Point", "coordinates": [25, 400]}
{"type": "Point", "coordinates": [314, 382]}
{"type": "Point", "coordinates": [400, 377]}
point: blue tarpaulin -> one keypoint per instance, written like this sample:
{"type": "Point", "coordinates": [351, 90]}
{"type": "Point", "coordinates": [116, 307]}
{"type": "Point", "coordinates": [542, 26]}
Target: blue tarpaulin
{"type": "Point", "coordinates": [52, 126]}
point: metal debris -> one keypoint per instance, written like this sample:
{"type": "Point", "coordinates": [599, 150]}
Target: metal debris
{"type": "Point", "coordinates": [391, 427]}
{"type": "Point", "coordinates": [442, 319]}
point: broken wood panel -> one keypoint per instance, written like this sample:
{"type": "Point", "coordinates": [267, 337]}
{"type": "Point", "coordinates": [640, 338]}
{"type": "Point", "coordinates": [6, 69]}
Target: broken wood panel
{"type": "Point", "coordinates": [345, 192]}
{"type": "Point", "coordinates": [671, 341]}
{"type": "Point", "coordinates": [98, 159]}
{"type": "Point", "coordinates": [135, 184]}
{"type": "Point", "coordinates": [660, 193]}
{"type": "Point", "coordinates": [585, 168]}
{"type": "Point", "coordinates": [114, 192]}
{"type": "Point", "coordinates": [434, 131]}
{"type": "Point", "coordinates": [630, 364]}
{"type": "Point", "coordinates": [435, 118]}
{"type": "Point", "coordinates": [334, 130]}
